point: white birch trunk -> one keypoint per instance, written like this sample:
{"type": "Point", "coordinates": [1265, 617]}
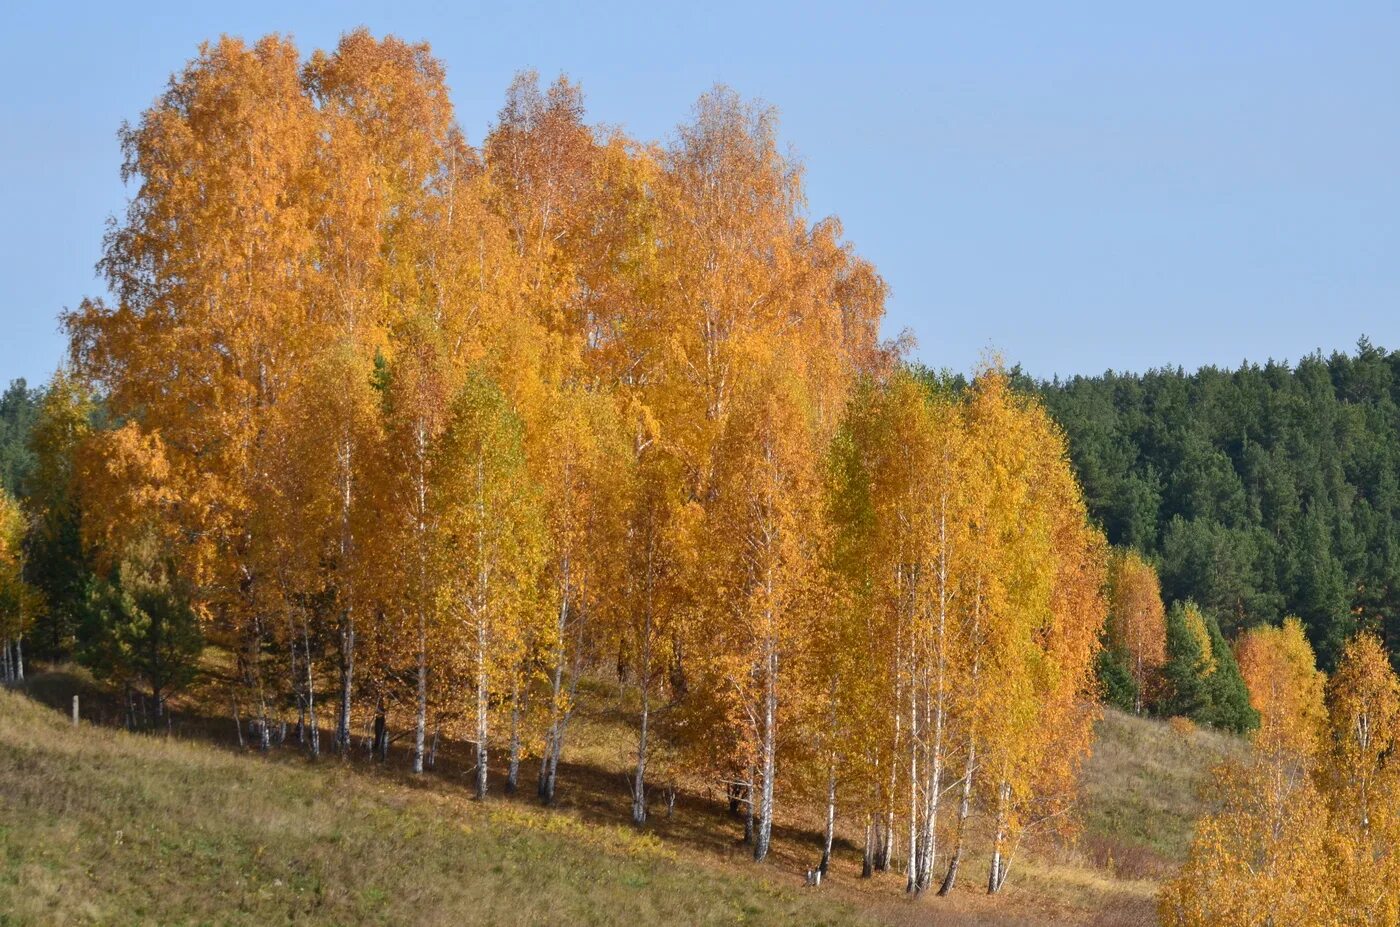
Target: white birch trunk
{"type": "Point", "coordinates": [829, 834]}
{"type": "Point", "coordinates": [420, 716]}
{"type": "Point", "coordinates": [767, 752]}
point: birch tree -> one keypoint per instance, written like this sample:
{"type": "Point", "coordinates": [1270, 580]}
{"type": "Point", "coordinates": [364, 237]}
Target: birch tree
{"type": "Point", "coordinates": [490, 553]}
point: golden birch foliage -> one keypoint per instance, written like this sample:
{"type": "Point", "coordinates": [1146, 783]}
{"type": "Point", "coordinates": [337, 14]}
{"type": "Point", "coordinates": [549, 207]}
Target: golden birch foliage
{"type": "Point", "coordinates": [63, 425]}
{"type": "Point", "coordinates": [1360, 782]}
{"type": "Point", "coordinates": [1285, 687]}
{"type": "Point", "coordinates": [490, 547]}
{"type": "Point", "coordinates": [766, 540]}
{"type": "Point", "coordinates": [1010, 578]}
{"type": "Point", "coordinates": [1307, 829]}
{"type": "Point", "coordinates": [1137, 622]}
{"type": "Point", "coordinates": [584, 467]}
{"type": "Point", "coordinates": [208, 268]}
{"type": "Point", "coordinates": [540, 156]}
{"type": "Point", "coordinates": [1262, 858]}
{"type": "Point", "coordinates": [18, 601]}
{"type": "Point", "coordinates": [1196, 626]}
{"type": "Point", "coordinates": [386, 139]}
{"type": "Point", "coordinates": [1070, 643]}
{"type": "Point", "coordinates": [1044, 727]}
{"type": "Point", "coordinates": [760, 533]}
{"type": "Point", "coordinates": [1363, 700]}
{"type": "Point", "coordinates": [130, 491]}
{"type": "Point", "coordinates": [872, 689]}
{"type": "Point", "coordinates": [739, 277]}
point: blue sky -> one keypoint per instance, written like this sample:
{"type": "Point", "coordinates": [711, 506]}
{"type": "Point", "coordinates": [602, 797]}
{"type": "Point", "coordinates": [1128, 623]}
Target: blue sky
{"type": "Point", "coordinates": [1079, 186]}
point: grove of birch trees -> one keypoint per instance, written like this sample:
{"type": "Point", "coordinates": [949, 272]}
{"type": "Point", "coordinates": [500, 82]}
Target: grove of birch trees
{"type": "Point", "coordinates": [1306, 827]}
{"type": "Point", "coordinates": [424, 435]}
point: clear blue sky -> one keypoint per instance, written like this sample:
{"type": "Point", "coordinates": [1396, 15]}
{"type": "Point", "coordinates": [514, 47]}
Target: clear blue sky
{"type": "Point", "coordinates": [1079, 186]}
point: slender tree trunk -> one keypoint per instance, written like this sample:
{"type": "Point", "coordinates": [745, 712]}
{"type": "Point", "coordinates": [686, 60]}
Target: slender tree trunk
{"type": "Point", "coordinates": [928, 837]}
{"type": "Point", "coordinates": [997, 871]}
{"type": "Point", "coordinates": [768, 759]}
{"type": "Point", "coordinates": [347, 682]}
{"type": "Point", "coordinates": [884, 850]}
{"type": "Point", "coordinates": [482, 615]}
{"type": "Point", "coordinates": [19, 658]}
{"type": "Point", "coordinates": [513, 761]}
{"type": "Point", "coordinates": [345, 455]}
{"type": "Point", "coordinates": [379, 743]}
{"type": "Point", "coordinates": [237, 722]}
{"type": "Point", "coordinates": [294, 677]}
{"type": "Point", "coordinates": [420, 715]}
{"type": "Point", "coordinates": [867, 861]}
{"type": "Point", "coordinates": [482, 693]}
{"type": "Point", "coordinates": [550, 769]}
{"type": "Point", "coordinates": [912, 863]}
{"type": "Point", "coordinates": [929, 834]}
{"type": "Point", "coordinates": [970, 767]}
{"type": "Point", "coordinates": [264, 729]}
{"type": "Point", "coordinates": [672, 791]}
{"type": "Point", "coordinates": [830, 833]}
{"type": "Point", "coordinates": [1137, 690]}
{"type": "Point", "coordinates": [749, 810]}
{"type": "Point", "coordinates": [886, 856]}
{"type": "Point", "coordinates": [315, 732]}
{"type": "Point", "coordinates": [553, 734]}
{"type": "Point", "coordinates": [639, 798]}
{"type": "Point", "coordinates": [964, 806]}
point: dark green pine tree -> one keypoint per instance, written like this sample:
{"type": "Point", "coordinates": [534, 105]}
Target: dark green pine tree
{"type": "Point", "coordinates": [1226, 702]}
{"type": "Point", "coordinates": [1118, 688]}
{"type": "Point", "coordinates": [140, 631]}
{"type": "Point", "coordinates": [56, 562]}
{"type": "Point", "coordinates": [1183, 689]}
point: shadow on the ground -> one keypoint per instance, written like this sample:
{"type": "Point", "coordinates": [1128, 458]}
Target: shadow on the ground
{"type": "Point", "coordinates": [594, 794]}
{"type": "Point", "coordinates": [701, 821]}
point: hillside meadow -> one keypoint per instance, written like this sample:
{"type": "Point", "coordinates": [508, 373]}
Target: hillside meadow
{"type": "Point", "coordinates": [102, 826]}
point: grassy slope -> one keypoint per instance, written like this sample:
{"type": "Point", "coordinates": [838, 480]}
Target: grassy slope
{"type": "Point", "coordinates": [1142, 792]}
{"type": "Point", "coordinates": [97, 826]}
{"type": "Point", "coordinates": [101, 827]}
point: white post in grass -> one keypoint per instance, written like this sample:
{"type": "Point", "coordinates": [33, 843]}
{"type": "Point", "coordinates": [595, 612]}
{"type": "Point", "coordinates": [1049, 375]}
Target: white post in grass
{"type": "Point", "coordinates": [75, 711]}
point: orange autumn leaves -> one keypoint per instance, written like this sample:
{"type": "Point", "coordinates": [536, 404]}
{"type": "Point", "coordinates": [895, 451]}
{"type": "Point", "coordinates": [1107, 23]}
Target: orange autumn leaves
{"type": "Point", "coordinates": [1308, 824]}
{"type": "Point", "coordinates": [437, 430]}
{"type": "Point", "coordinates": [975, 589]}
{"type": "Point", "coordinates": [1137, 625]}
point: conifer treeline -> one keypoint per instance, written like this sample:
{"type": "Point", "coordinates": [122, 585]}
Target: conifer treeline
{"type": "Point", "coordinates": [1172, 662]}
{"type": "Point", "coordinates": [1260, 492]}
{"type": "Point", "coordinates": [428, 433]}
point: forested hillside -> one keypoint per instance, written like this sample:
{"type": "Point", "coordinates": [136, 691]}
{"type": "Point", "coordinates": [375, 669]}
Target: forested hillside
{"type": "Point", "coordinates": [1260, 492]}
{"type": "Point", "coordinates": [19, 406]}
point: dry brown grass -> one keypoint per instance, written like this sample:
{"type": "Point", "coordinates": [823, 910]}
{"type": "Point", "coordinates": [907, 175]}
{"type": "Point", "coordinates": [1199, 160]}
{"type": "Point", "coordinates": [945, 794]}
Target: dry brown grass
{"type": "Point", "coordinates": [1142, 792]}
